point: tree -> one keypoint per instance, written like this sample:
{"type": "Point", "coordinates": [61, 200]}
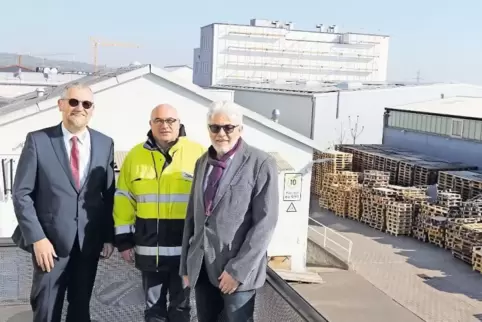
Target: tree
{"type": "Point", "coordinates": [354, 129]}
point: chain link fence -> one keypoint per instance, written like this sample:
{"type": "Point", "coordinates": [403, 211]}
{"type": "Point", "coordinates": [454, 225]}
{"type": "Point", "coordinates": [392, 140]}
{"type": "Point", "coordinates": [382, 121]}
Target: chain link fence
{"type": "Point", "coordinates": [118, 296]}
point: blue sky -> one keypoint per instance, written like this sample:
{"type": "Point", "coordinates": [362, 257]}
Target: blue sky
{"type": "Point", "coordinates": [442, 39]}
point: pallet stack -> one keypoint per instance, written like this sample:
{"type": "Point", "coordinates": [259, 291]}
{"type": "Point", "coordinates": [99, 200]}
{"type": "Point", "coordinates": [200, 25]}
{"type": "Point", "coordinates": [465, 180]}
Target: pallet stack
{"type": "Point", "coordinates": [374, 201]}
{"type": "Point", "coordinates": [477, 259]}
{"type": "Point", "coordinates": [465, 239]}
{"type": "Point", "coordinates": [406, 168]}
{"type": "Point", "coordinates": [399, 218]}
{"type": "Point", "coordinates": [467, 183]}
{"type": "Point", "coordinates": [328, 190]}
{"type": "Point", "coordinates": [354, 203]}
{"type": "Point", "coordinates": [341, 162]}
{"type": "Point", "coordinates": [453, 227]}
{"type": "Point", "coordinates": [435, 228]}
{"type": "Point", "coordinates": [375, 179]}
{"type": "Point", "coordinates": [336, 190]}
{"type": "Point", "coordinates": [449, 199]}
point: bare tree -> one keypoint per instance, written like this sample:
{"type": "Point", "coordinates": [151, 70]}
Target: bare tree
{"type": "Point", "coordinates": [354, 131]}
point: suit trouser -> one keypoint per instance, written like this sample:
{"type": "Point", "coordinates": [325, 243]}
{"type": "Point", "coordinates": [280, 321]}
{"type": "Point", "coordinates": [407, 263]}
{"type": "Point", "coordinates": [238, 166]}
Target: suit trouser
{"type": "Point", "coordinates": [157, 286]}
{"type": "Point", "coordinates": [74, 274]}
{"type": "Point", "coordinates": [210, 302]}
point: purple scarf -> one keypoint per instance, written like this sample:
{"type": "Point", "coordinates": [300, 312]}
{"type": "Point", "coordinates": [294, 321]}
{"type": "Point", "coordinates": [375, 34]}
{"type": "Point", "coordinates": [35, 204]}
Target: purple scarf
{"type": "Point", "coordinates": [218, 166]}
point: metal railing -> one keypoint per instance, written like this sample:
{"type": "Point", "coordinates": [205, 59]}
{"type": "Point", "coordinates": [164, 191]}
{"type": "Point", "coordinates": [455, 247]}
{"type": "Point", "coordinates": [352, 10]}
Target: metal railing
{"type": "Point", "coordinates": [332, 240]}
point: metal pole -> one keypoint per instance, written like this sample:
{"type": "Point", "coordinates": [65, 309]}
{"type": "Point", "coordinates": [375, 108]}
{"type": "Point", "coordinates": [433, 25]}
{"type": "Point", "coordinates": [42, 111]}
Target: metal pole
{"type": "Point", "coordinates": [324, 240]}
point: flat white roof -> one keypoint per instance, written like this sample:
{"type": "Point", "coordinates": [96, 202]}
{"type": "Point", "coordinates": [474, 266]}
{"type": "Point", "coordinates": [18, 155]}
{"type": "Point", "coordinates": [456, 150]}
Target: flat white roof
{"type": "Point", "coordinates": [312, 87]}
{"type": "Point", "coordinates": [461, 106]}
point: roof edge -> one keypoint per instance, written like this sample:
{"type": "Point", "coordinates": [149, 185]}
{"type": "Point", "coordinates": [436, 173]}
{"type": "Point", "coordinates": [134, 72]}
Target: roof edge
{"type": "Point", "coordinates": [258, 118]}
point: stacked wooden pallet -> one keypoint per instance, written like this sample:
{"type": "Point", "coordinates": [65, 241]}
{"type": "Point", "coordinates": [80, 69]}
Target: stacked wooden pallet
{"type": "Point", "coordinates": [341, 161]}
{"type": "Point", "coordinates": [452, 228]}
{"type": "Point", "coordinates": [449, 199]}
{"type": "Point", "coordinates": [354, 203]}
{"type": "Point", "coordinates": [399, 218]}
{"type": "Point", "coordinates": [375, 179]}
{"type": "Point", "coordinates": [465, 239]}
{"type": "Point", "coordinates": [328, 190]}
{"type": "Point", "coordinates": [467, 183]}
{"type": "Point", "coordinates": [374, 201]}
{"type": "Point", "coordinates": [336, 190]}
{"type": "Point", "coordinates": [435, 228]}
{"type": "Point", "coordinates": [477, 259]}
{"type": "Point", "coordinates": [406, 168]}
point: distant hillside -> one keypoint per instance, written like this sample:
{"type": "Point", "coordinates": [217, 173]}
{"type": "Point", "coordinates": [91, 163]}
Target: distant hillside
{"type": "Point", "coordinates": [33, 62]}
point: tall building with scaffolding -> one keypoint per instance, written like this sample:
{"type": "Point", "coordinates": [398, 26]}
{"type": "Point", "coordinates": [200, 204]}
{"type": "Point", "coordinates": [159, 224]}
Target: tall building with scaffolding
{"type": "Point", "coordinates": [267, 51]}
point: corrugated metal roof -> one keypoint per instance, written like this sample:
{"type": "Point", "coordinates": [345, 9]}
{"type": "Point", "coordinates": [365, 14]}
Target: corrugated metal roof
{"type": "Point", "coordinates": [460, 106]}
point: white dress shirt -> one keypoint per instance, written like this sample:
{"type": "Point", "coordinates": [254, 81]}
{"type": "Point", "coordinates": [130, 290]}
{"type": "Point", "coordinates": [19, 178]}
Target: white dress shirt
{"type": "Point", "coordinates": [84, 147]}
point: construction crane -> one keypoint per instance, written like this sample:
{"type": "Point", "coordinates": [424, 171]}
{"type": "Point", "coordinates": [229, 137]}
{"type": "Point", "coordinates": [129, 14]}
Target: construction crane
{"type": "Point", "coordinates": [96, 44]}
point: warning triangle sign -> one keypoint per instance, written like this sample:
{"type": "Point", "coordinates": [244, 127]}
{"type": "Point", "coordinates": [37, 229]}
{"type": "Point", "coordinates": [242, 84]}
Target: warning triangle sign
{"type": "Point", "coordinates": [291, 208]}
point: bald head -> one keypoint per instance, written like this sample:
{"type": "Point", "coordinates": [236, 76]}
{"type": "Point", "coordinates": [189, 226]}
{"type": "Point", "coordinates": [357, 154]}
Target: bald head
{"type": "Point", "coordinates": [163, 111]}
{"type": "Point", "coordinates": [164, 124]}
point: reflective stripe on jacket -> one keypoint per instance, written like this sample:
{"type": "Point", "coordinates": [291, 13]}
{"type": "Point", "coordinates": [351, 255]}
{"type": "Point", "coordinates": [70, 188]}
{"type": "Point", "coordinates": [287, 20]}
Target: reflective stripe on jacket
{"type": "Point", "coordinates": [151, 201]}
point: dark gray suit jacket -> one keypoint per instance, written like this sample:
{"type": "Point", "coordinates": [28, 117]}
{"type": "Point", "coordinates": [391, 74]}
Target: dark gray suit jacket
{"type": "Point", "coordinates": [47, 203]}
{"type": "Point", "coordinates": [236, 236]}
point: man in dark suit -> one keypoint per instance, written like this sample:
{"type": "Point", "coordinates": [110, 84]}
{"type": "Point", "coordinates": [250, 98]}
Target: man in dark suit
{"type": "Point", "coordinates": [63, 197]}
{"type": "Point", "coordinates": [231, 217]}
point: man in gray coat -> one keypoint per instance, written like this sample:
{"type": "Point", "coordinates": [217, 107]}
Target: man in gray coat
{"type": "Point", "coordinates": [231, 217]}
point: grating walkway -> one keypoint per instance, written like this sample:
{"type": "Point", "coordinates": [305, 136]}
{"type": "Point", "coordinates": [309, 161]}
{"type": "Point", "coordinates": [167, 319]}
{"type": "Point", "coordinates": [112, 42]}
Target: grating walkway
{"type": "Point", "coordinates": [117, 293]}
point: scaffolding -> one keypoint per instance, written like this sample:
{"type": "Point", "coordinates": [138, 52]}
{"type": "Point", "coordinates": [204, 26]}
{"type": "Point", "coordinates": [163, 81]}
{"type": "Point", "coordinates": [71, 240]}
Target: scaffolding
{"type": "Point", "coordinates": [248, 53]}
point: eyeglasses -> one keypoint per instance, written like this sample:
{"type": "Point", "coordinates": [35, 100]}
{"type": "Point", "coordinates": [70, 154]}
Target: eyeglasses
{"type": "Point", "coordinates": [73, 102]}
{"type": "Point", "coordinates": [228, 128]}
{"type": "Point", "coordinates": [169, 121]}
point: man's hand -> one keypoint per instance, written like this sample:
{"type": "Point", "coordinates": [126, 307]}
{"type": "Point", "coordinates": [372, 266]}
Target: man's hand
{"type": "Point", "coordinates": [128, 255]}
{"type": "Point", "coordinates": [227, 284]}
{"type": "Point", "coordinates": [107, 250]}
{"type": "Point", "coordinates": [185, 280]}
{"type": "Point", "coordinates": [44, 254]}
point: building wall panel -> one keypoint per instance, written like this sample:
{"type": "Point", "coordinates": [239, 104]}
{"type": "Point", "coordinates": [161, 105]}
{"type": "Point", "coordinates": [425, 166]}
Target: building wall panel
{"type": "Point", "coordinates": [295, 110]}
{"type": "Point", "coordinates": [451, 149]}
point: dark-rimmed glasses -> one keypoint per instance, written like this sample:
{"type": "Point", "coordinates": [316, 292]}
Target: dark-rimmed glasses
{"type": "Point", "coordinates": [169, 121]}
{"type": "Point", "coordinates": [228, 128]}
{"type": "Point", "coordinates": [73, 102]}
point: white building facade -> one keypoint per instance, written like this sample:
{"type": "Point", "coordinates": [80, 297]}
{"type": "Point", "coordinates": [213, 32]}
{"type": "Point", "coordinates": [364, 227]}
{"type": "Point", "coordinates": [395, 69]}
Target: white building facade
{"type": "Point", "coordinates": [124, 100]}
{"type": "Point", "coordinates": [269, 50]}
{"type": "Point", "coordinates": [336, 115]}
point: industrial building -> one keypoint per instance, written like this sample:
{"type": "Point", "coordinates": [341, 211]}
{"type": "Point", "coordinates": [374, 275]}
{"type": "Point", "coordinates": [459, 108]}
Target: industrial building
{"type": "Point", "coordinates": [124, 100]}
{"type": "Point", "coordinates": [449, 129]}
{"type": "Point", "coordinates": [273, 50]}
{"type": "Point", "coordinates": [336, 113]}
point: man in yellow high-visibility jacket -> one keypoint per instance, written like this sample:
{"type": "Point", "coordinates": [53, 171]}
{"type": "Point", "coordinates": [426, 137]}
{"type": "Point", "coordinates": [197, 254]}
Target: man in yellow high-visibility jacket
{"type": "Point", "coordinates": [149, 210]}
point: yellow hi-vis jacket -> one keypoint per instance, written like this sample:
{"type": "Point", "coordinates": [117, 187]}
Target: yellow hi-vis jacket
{"type": "Point", "coordinates": [151, 201]}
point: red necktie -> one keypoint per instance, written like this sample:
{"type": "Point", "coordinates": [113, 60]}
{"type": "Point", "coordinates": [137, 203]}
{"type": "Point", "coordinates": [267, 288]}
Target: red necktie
{"type": "Point", "coordinates": [74, 161]}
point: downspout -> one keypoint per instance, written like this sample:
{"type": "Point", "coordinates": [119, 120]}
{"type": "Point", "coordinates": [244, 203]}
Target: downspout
{"type": "Point", "coordinates": [386, 115]}
{"type": "Point", "coordinates": [337, 105]}
{"type": "Point", "coordinates": [313, 117]}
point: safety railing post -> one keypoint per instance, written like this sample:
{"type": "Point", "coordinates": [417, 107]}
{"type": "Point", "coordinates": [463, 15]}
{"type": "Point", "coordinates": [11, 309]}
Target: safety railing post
{"type": "Point", "coordinates": [324, 239]}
